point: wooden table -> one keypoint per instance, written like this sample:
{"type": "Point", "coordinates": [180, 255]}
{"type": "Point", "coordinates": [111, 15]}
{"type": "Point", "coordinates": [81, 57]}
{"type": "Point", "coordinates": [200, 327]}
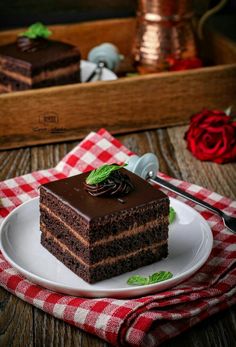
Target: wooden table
{"type": "Point", "coordinates": [23, 325]}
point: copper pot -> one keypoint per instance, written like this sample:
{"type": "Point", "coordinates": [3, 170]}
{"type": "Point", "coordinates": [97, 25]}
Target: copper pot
{"type": "Point", "coordinates": [164, 30]}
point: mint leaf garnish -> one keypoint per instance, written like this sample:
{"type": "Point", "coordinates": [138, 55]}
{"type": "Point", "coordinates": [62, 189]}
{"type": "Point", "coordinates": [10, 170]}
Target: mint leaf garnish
{"type": "Point", "coordinates": [102, 173]}
{"type": "Point", "coordinates": [160, 276]}
{"type": "Point", "coordinates": [172, 215]}
{"type": "Point", "coordinates": [137, 280]}
{"type": "Point", "coordinates": [37, 30]}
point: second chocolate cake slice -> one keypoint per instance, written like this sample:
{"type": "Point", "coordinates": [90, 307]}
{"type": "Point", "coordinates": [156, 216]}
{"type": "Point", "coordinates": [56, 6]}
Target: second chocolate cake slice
{"type": "Point", "coordinates": [30, 63]}
{"type": "Point", "coordinates": [103, 230]}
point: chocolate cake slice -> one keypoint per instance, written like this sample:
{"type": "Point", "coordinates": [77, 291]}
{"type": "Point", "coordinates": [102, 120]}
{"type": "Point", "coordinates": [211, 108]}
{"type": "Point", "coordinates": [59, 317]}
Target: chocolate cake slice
{"type": "Point", "coordinates": [34, 63]}
{"type": "Point", "coordinates": [107, 229]}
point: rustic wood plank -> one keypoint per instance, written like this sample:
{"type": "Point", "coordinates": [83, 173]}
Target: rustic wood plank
{"type": "Point", "coordinates": [49, 331]}
{"type": "Point", "coordinates": [218, 178]}
{"type": "Point", "coordinates": [89, 340]}
{"type": "Point", "coordinates": [137, 142]}
{"type": "Point", "coordinates": [16, 321]}
{"type": "Point", "coordinates": [14, 163]}
{"type": "Point", "coordinates": [48, 156]}
{"type": "Point", "coordinates": [44, 157]}
{"type": "Point", "coordinates": [16, 317]}
{"type": "Point", "coordinates": [218, 331]}
{"type": "Point", "coordinates": [161, 145]}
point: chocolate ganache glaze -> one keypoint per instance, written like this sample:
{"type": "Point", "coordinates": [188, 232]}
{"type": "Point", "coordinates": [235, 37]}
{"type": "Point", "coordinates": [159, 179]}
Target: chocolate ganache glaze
{"type": "Point", "coordinates": [25, 44]}
{"type": "Point", "coordinates": [117, 184]}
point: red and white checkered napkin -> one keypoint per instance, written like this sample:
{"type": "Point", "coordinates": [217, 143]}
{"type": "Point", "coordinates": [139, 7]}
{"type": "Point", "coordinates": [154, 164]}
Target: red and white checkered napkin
{"type": "Point", "coordinates": [145, 321]}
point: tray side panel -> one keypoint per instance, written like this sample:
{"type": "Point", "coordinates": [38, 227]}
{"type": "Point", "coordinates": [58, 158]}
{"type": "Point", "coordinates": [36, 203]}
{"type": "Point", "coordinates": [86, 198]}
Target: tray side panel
{"type": "Point", "coordinates": [128, 104]}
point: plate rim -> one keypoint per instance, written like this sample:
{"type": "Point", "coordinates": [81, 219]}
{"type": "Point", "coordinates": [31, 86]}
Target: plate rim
{"type": "Point", "coordinates": [113, 291]}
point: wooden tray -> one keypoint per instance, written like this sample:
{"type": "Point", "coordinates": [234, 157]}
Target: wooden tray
{"type": "Point", "coordinates": [129, 104]}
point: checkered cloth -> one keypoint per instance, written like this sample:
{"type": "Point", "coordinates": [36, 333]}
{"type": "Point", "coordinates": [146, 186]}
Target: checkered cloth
{"type": "Point", "coordinates": [145, 321]}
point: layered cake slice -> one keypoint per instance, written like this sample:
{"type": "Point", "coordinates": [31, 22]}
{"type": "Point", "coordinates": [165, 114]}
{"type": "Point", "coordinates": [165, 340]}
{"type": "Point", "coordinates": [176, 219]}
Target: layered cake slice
{"type": "Point", "coordinates": [34, 61]}
{"type": "Point", "coordinates": [100, 229]}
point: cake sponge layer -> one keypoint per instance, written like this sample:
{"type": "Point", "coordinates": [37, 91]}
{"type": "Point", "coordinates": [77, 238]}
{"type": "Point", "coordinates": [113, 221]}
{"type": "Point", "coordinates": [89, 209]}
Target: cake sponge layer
{"type": "Point", "coordinates": [93, 274]}
{"type": "Point", "coordinates": [123, 243]}
{"type": "Point", "coordinates": [52, 63]}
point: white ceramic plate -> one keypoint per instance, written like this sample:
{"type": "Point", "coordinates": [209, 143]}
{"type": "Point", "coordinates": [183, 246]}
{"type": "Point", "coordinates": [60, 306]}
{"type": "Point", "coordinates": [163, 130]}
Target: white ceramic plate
{"type": "Point", "coordinates": [190, 243]}
{"type": "Point", "coordinates": [87, 68]}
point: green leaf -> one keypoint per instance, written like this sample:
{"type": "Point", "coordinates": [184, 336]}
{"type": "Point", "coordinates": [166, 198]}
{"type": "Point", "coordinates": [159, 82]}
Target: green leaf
{"type": "Point", "coordinates": [137, 280]}
{"type": "Point", "coordinates": [160, 276]}
{"type": "Point", "coordinates": [172, 215]}
{"type": "Point", "coordinates": [102, 173]}
{"type": "Point", "coordinates": [37, 30]}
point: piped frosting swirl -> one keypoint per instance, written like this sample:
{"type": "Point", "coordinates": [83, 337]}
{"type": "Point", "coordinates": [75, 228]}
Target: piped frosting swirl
{"type": "Point", "coordinates": [117, 184]}
{"type": "Point", "coordinates": [26, 44]}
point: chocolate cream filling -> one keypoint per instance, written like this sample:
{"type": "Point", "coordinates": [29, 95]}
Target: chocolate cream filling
{"type": "Point", "coordinates": [134, 230]}
{"type": "Point", "coordinates": [5, 89]}
{"type": "Point", "coordinates": [43, 75]}
{"type": "Point", "coordinates": [107, 261]}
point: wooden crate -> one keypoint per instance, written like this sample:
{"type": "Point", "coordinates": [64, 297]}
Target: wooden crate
{"type": "Point", "coordinates": [128, 104]}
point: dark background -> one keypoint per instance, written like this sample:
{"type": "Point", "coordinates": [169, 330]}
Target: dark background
{"type": "Point", "coordinates": [18, 13]}
{"type": "Point", "coordinates": [15, 13]}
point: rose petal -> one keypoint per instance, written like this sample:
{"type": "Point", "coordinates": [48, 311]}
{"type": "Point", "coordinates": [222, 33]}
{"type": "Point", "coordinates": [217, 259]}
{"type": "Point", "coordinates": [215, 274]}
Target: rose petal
{"type": "Point", "coordinates": [212, 136]}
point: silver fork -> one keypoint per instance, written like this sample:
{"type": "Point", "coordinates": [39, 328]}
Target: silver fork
{"type": "Point", "coordinates": [229, 222]}
{"type": "Point", "coordinates": [146, 167]}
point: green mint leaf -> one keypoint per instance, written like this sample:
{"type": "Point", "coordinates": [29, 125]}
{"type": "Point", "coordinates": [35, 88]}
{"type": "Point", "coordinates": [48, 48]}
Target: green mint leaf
{"type": "Point", "coordinates": [172, 215]}
{"type": "Point", "coordinates": [37, 30]}
{"type": "Point", "coordinates": [137, 280]}
{"type": "Point", "coordinates": [160, 276]}
{"type": "Point", "coordinates": [102, 173]}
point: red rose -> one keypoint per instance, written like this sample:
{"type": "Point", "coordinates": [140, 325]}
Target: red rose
{"type": "Point", "coordinates": [212, 136]}
{"type": "Point", "coordinates": [183, 64]}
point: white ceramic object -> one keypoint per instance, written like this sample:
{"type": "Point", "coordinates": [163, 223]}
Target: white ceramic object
{"type": "Point", "coordinates": [190, 243]}
{"type": "Point", "coordinates": [87, 68]}
{"type": "Point", "coordinates": [106, 53]}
